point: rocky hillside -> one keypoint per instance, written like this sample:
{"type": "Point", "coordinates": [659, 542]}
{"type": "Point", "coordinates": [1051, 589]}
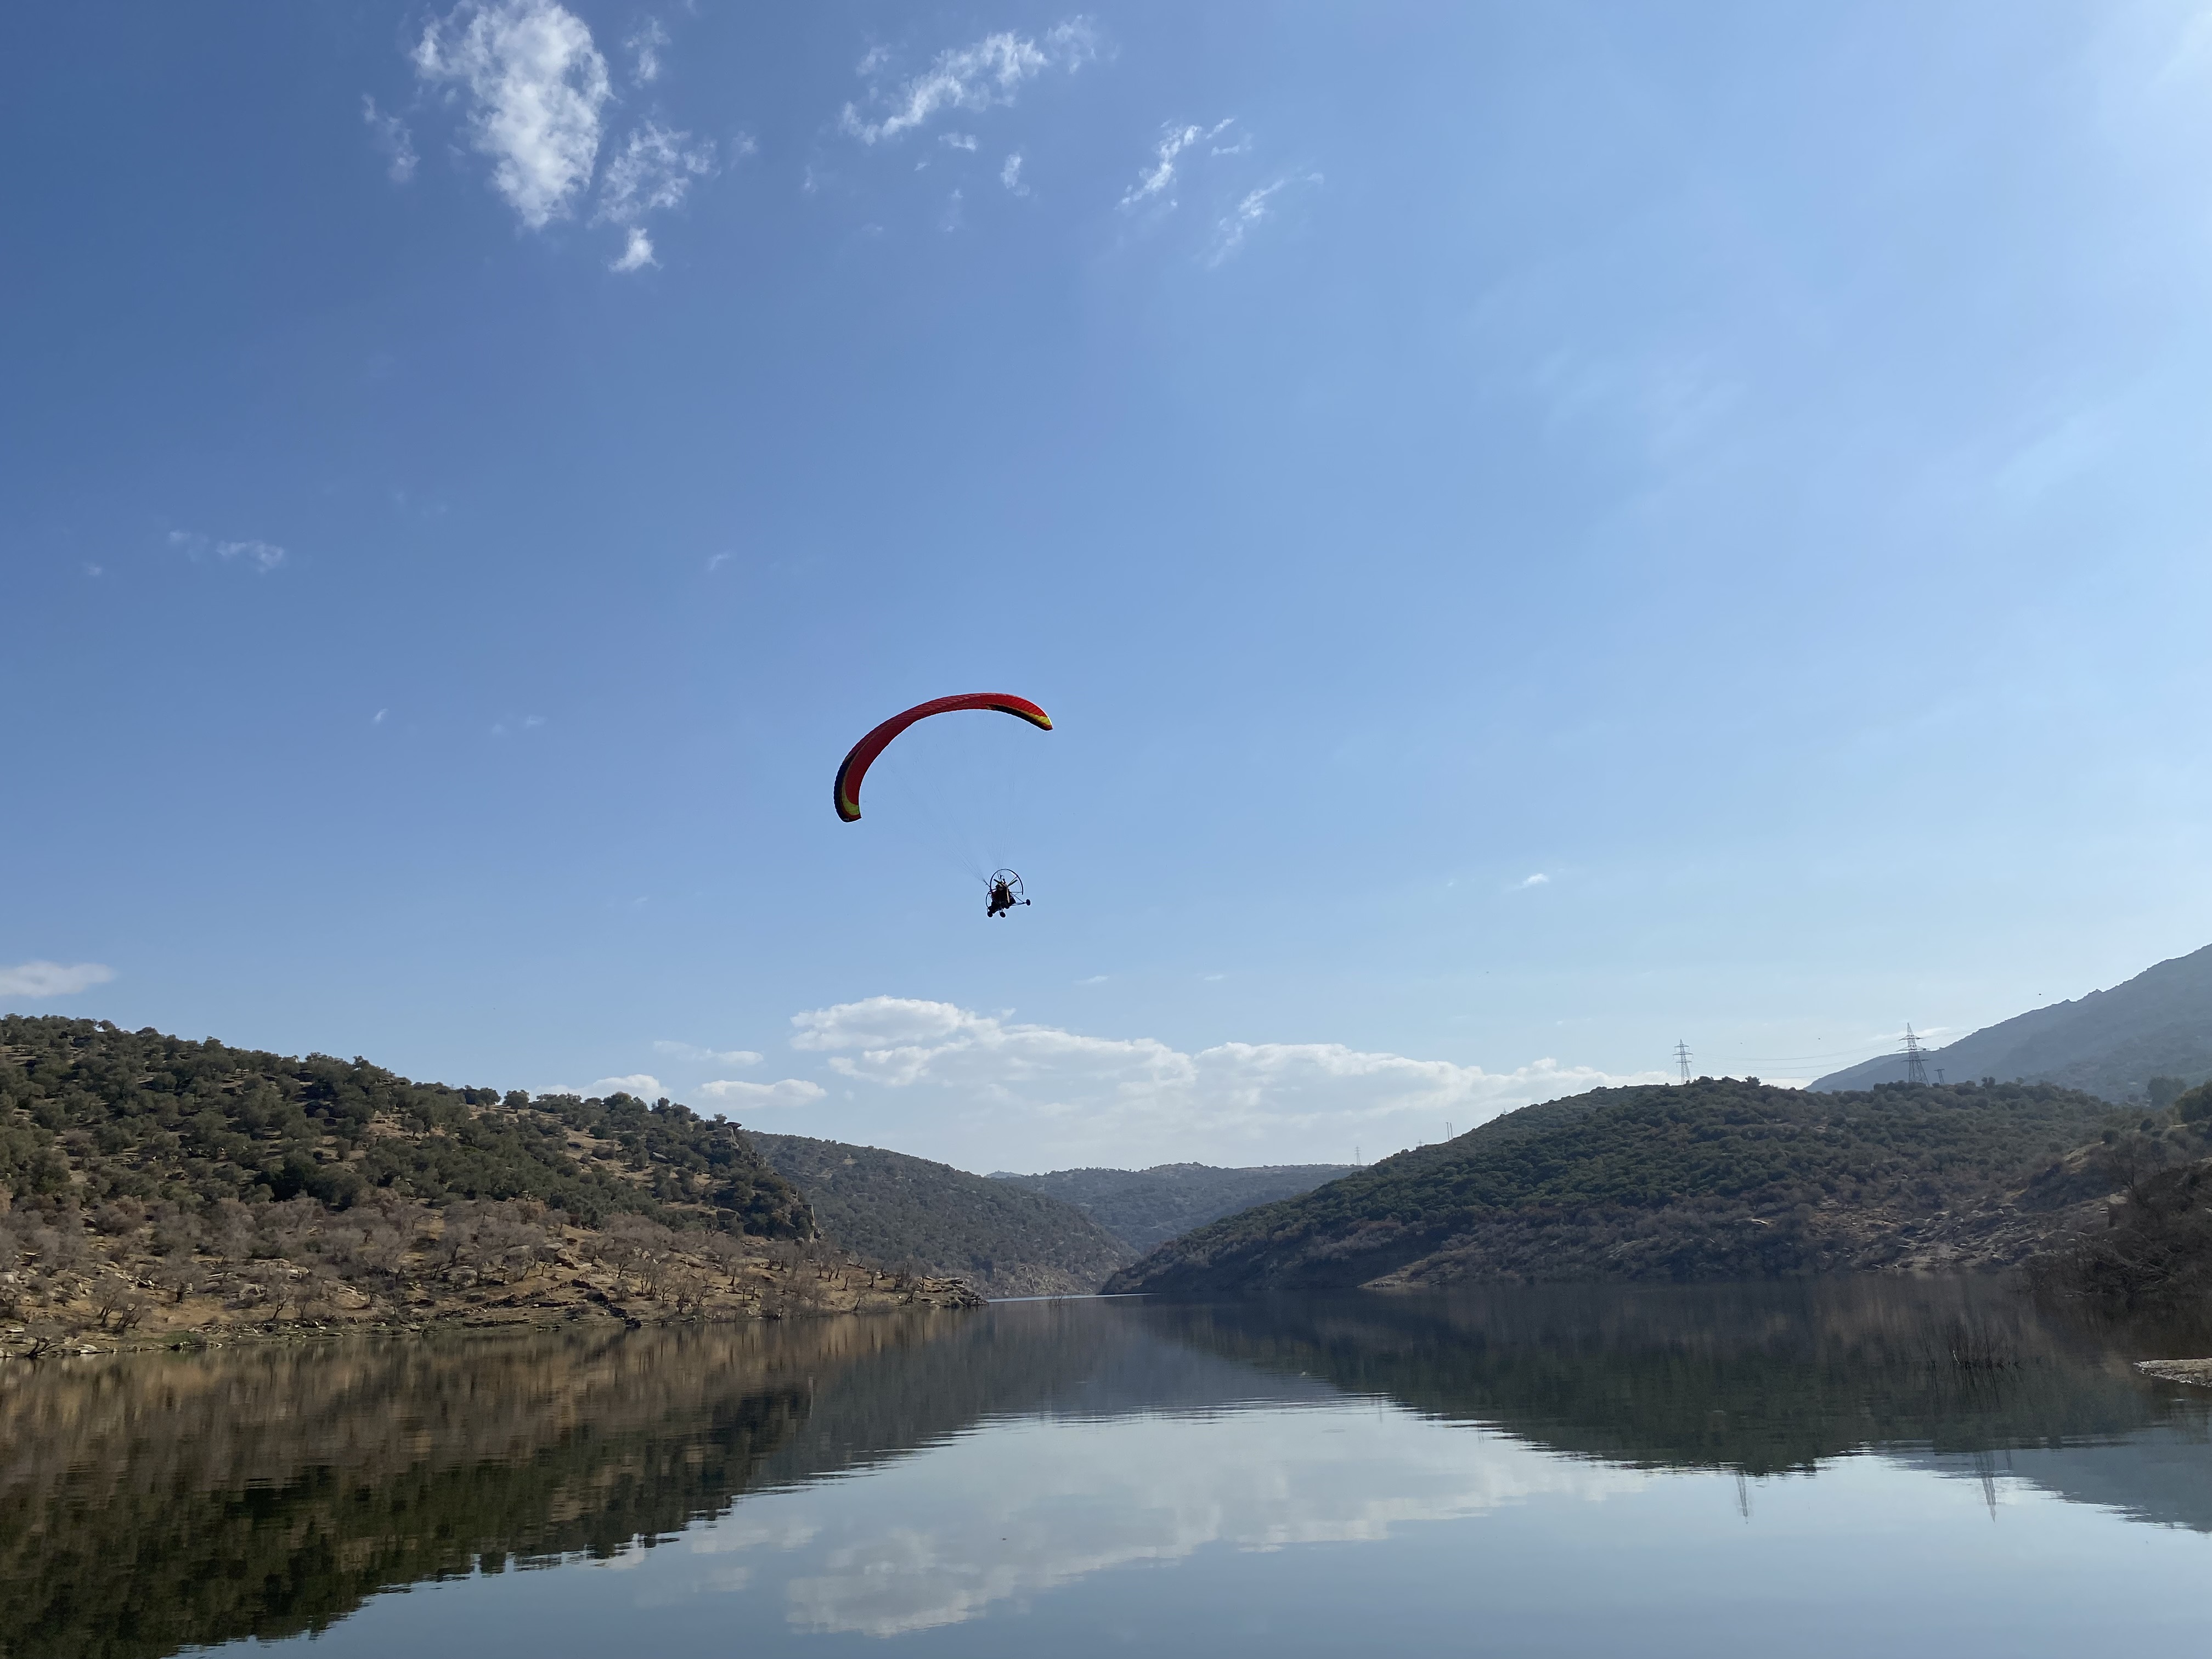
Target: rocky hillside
{"type": "Point", "coordinates": [933, 1218]}
{"type": "Point", "coordinates": [2112, 1043]}
{"type": "Point", "coordinates": [1716, 1179]}
{"type": "Point", "coordinates": [154, 1187]}
{"type": "Point", "coordinates": [1143, 1208]}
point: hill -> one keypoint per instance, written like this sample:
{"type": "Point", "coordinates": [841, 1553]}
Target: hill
{"type": "Point", "coordinates": [1716, 1179]}
{"type": "Point", "coordinates": [151, 1184]}
{"type": "Point", "coordinates": [1002, 1238]}
{"type": "Point", "coordinates": [97, 1114]}
{"type": "Point", "coordinates": [1147, 1207]}
{"type": "Point", "coordinates": [2110, 1043]}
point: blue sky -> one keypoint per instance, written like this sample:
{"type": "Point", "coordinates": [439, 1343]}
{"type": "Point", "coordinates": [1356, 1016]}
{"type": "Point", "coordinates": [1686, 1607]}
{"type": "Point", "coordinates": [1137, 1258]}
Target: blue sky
{"type": "Point", "coordinates": [1545, 530]}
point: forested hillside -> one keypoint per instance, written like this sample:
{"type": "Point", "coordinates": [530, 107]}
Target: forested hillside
{"type": "Point", "coordinates": [2116, 1043]}
{"type": "Point", "coordinates": [152, 1184]}
{"type": "Point", "coordinates": [1712, 1180]}
{"type": "Point", "coordinates": [99, 1114]}
{"type": "Point", "coordinates": [1147, 1207]}
{"type": "Point", "coordinates": [1001, 1238]}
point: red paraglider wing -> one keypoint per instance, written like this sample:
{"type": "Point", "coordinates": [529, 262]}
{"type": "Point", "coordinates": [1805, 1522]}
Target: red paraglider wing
{"type": "Point", "coordinates": [864, 752]}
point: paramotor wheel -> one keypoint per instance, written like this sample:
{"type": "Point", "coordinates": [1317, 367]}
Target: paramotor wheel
{"type": "Point", "coordinates": [1013, 883]}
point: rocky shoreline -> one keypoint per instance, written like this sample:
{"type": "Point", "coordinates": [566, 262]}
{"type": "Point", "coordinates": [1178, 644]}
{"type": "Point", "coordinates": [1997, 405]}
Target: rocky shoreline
{"type": "Point", "coordinates": [570, 1277]}
{"type": "Point", "coordinates": [2198, 1371]}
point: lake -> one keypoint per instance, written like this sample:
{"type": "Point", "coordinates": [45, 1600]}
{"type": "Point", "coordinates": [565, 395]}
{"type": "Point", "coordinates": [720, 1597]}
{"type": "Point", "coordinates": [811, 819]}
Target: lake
{"type": "Point", "coordinates": [1838, 1468]}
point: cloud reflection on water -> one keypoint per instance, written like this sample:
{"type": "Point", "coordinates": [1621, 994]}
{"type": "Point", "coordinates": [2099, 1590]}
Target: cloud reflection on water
{"type": "Point", "coordinates": [1027, 1507]}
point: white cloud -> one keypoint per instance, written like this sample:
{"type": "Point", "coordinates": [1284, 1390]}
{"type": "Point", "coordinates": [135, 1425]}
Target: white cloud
{"type": "Point", "coordinates": [536, 85]}
{"type": "Point", "coordinates": [1010, 174]}
{"type": "Point", "coordinates": [263, 556]}
{"type": "Point", "coordinates": [643, 1085]}
{"type": "Point", "coordinates": [1155, 180]}
{"type": "Point", "coordinates": [52, 979]}
{"type": "Point", "coordinates": [644, 49]}
{"type": "Point", "coordinates": [651, 171]}
{"type": "Point", "coordinates": [1228, 235]}
{"type": "Point", "coordinates": [697, 1055]}
{"type": "Point", "coordinates": [791, 1091]}
{"type": "Point", "coordinates": [377, 718]}
{"type": "Point", "coordinates": [1539, 879]}
{"type": "Point", "coordinates": [957, 140]}
{"type": "Point", "coordinates": [393, 138]}
{"type": "Point", "coordinates": [1140, 1097]}
{"type": "Point", "coordinates": [637, 255]}
{"type": "Point", "coordinates": [971, 77]}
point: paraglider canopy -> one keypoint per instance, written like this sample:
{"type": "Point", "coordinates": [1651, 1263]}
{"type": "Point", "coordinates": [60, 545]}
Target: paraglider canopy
{"type": "Point", "coordinates": [863, 753]}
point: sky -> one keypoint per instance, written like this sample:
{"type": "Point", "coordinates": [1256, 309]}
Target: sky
{"type": "Point", "coordinates": [1545, 532]}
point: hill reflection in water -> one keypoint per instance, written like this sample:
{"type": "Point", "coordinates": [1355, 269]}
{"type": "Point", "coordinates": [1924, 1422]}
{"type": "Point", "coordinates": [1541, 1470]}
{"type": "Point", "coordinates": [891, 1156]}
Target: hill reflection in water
{"type": "Point", "coordinates": [152, 1503]}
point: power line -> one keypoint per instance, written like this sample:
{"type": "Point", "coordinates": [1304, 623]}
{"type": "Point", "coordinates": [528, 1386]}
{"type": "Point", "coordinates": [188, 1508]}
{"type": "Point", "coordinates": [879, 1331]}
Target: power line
{"type": "Point", "coordinates": [1682, 1058]}
{"type": "Point", "coordinates": [1916, 1067]}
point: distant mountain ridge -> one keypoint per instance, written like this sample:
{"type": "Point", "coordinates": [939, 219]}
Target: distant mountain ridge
{"type": "Point", "coordinates": [1147, 1207]}
{"type": "Point", "coordinates": [1002, 1238]}
{"type": "Point", "coordinates": [2109, 1043]}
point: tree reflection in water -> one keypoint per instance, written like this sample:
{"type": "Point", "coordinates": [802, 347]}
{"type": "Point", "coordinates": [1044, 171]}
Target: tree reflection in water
{"type": "Point", "coordinates": [153, 1502]}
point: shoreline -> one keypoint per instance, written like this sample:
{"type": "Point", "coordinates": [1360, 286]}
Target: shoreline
{"type": "Point", "coordinates": [2195, 1372]}
{"type": "Point", "coordinates": [946, 1296]}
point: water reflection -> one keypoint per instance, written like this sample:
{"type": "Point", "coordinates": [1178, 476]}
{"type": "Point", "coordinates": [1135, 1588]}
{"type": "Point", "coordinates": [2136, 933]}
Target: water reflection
{"type": "Point", "coordinates": [1007, 1515]}
{"type": "Point", "coordinates": [152, 1503]}
{"type": "Point", "coordinates": [1758, 1379]}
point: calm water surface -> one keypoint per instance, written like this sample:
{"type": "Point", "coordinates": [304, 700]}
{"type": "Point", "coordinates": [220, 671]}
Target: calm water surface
{"type": "Point", "coordinates": [1780, 1469]}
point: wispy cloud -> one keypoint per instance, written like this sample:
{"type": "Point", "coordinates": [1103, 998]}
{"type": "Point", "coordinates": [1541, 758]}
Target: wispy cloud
{"type": "Point", "coordinates": [791, 1091]}
{"type": "Point", "coordinates": [973, 77]}
{"type": "Point", "coordinates": [1131, 1097]}
{"type": "Point", "coordinates": [651, 172]}
{"type": "Point", "coordinates": [697, 1055]}
{"type": "Point", "coordinates": [262, 557]}
{"type": "Point", "coordinates": [1539, 879]}
{"type": "Point", "coordinates": [1155, 181]}
{"type": "Point", "coordinates": [645, 51]}
{"type": "Point", "coordinates": [393, 138]}
{"type": "Point", "coordinates": [1010, 175]}
{"type": "Point", "coordinates": [52, 979]}
{"type": "Point", "coordinates": [535, 86]}
{"type": "Point", "coordinates": [957, 140]}
{"type": "Point", "coordinates": [1230, 232]}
